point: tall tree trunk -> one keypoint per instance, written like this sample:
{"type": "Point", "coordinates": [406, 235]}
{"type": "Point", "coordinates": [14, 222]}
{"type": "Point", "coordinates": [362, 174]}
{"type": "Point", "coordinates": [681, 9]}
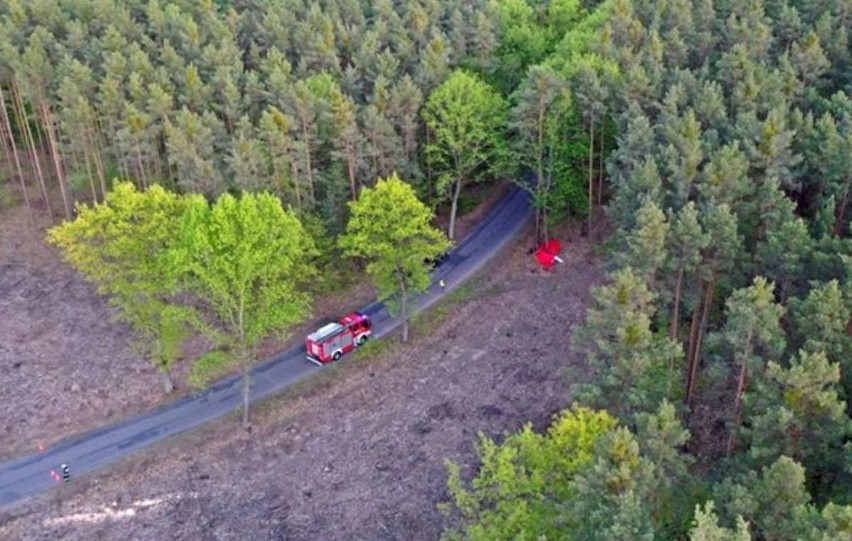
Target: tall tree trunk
{"type": "Point", "coordinates": [676, 308]}
{"type": "Point", "coordinates": [98, 143]}
{"type": "Point", "coordinates": [141, 166]}
{"type": "Point", "coordinates": [350, 164]}
{"type": "Point", "coordinates": [308, 164]}
{"type": "Point", "coordinates": [709, 291]}
{"type": "Point", "coordinates": [15, 158]}
{"type": "Point", "coordinates": [453, 208]}
{"type": "Point", "coordinates": [539, 178]}
{"type": "Point", "coordinates": [24, 125]}
{"type": "Point", "coordinates": [95, 151]}
{"type": "Point", "coordinates": [89, 174]}
{"type": "Point", "coordinates": [245, 353]}
{"type": "Point", "coordinates": [591, 173]}
{"type": "Point", "coordinates": [547, 189]}
{"type": "Point", "coordinates": [840, 221]}
{"type": "Point", "coordinates": [47, 119]}
{"type": "Point", "coordinates": [410, 131]}
{"type": "Point", "coordinates": [295, 171]}
{"type": "Point", "coordinates": [168, 383]}
{"type": "Point", "coordinates": [403, 312]}
{"type": "Point", "coordinates": [429, 166]}
{"type": "Point", "coordinates": [601, 161]}
{"type": "Point", "coordinates": [117, 153]}
{"type": "Point", "coordinates": [742, 381]}
{"type": "Point", "coordinates": [246, 388]}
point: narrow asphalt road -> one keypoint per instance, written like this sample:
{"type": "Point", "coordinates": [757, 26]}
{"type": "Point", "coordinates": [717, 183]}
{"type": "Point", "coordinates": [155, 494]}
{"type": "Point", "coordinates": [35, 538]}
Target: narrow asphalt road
{"type": "Point", "coordinates": [28, 475]}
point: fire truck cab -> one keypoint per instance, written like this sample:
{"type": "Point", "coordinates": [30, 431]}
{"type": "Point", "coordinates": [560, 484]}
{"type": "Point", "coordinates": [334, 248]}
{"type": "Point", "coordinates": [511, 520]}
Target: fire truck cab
{"type": "Point", "coordinates": [332, 341]}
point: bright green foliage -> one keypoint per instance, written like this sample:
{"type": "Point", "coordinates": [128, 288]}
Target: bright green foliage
{"type": "Point", "coordinates": [121, 246]}
{"type": "Point", "coordinates": [543, 101]}
{"type": "Point", "coordinates": [467, 119]}
{"type": "Point", "coordinates": [521, 490]}
{"type": "Point", "coordinates": [798, 413]}
{"type": "Point", "coordinates": [391, 228]}
{"type": "Point", "coordinates": [634, 366]}
{"type": "Point", "coordinates": [248, 261]}
{"type": "Point", "coordinates": [707, 527]}
{"type": "Point", "coordinates": [523, 42]}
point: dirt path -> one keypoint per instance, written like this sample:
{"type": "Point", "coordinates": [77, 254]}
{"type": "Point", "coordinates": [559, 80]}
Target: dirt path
{"type": "Point", "coordinates": [358, 452]}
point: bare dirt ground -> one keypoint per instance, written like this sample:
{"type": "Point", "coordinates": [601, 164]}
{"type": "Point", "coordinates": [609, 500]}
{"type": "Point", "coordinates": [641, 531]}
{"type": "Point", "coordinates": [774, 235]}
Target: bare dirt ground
{"type": "Point", "coordinates": [356, 453]}
{"type": "Point", "coordinates": [64, 362]}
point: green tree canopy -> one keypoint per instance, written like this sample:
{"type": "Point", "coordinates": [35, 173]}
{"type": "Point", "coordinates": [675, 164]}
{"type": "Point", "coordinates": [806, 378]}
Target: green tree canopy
{"type": "Point", "coordinates": [121, 245]}
{"type": "Point", "coordinates": [525, 482]}
{"type": "Point", "coordinates": [467, 119]}
{"type": "Point", "coordinates": [247, 262]}
{"type": "Point", "coordinates": [391, 228]}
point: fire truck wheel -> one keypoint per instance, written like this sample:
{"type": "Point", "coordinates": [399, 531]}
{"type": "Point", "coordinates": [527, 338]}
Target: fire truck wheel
{"type": "Point", "coordinates": [336, 355]}
{"type": "Point", "coordinates": [362, 339]}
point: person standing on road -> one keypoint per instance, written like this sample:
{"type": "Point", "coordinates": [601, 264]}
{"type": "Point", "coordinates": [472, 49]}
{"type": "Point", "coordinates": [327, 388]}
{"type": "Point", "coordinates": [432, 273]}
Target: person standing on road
{"type": "Point", "coordinates": [66, 473]}
{"type": "Point", "coordinates": [442, 283]}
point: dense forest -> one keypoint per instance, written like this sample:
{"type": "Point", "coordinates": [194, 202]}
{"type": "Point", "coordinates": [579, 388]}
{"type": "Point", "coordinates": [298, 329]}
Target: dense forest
{"type": "Point", "coordinates": [716, 135]}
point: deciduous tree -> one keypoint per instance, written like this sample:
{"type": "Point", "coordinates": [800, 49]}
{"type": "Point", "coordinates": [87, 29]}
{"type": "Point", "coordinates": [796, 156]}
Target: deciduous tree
{"type": "Point", "coordinates": [391, 228]}
{"type": "Point", "coordinates": [247, 261]}
{"type": "Point", "coordinates": [467, 119]}
{"type": "Point", "coordinates": [543, 100]}
{"type": "Point", "coordinates": [524, 484]}
{"type": "Point", "coordinates": [122, 246]}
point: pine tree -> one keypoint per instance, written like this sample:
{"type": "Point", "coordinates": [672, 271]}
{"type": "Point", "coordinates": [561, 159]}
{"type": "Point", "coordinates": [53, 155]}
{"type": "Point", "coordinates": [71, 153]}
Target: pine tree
{"type": "Point", "coordinates": [348, 140]}
{"type": "Point", "coordinates": [246, 159]}
{"type": "Point", "coordinates": [687, 240]}
{"type": "Point", "coordinates": [280, 151]}
{"type": "Point", "coordinates": [797, 413]}
{"type": "Point", "coordinates": [403, 111]}
{"type": "Point", "coordinates": [771, 502]}
{"type": "Point", "coordinates": [717, 260]}
{"type": "Point", "coordinates": [645, 247]}
{"type": "Point", "coordinates": [190, 143]}
{"type": "Point", "coordinates": [612, 500]}
{"type": "Point", "coordinates": [782, 256]}
{"type": "Point", "coordinates": [633, 366]}
{"type": "Point", "coordinates": [707, 527]}
{"type": "Point", "coordinates": [752, 337]}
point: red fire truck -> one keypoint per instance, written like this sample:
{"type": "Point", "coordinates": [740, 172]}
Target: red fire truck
{"type": "Point", "coordinates": [331, 341]}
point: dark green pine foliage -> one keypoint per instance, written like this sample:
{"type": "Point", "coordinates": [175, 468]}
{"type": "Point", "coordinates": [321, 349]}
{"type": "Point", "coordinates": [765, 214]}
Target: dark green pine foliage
{"type": "Point", "coordinates": [176, 91]}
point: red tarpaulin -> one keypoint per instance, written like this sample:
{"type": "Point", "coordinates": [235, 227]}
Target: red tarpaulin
{"type": "Point", "coordinates": [547, 254]}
